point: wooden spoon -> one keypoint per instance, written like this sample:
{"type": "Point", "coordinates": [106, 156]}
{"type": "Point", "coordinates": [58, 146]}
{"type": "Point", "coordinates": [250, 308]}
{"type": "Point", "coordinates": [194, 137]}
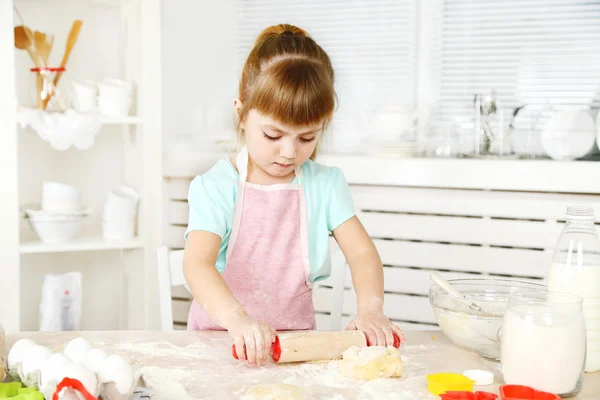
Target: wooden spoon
{"type": "Point", "coordinates": [71, 40]}
{"type": "Point", "coordinates": [43, 45]}
{"type": "Point", "coordinates": [24, 41]}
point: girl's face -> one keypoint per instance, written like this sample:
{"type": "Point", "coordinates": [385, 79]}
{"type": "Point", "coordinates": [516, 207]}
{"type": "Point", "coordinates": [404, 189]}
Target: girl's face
{"type": "Point", "coordinates": [278, 149]}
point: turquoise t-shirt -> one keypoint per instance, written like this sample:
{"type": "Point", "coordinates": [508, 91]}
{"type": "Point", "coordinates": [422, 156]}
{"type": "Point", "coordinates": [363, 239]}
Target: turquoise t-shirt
{"type": "Point", "coordinates": [212, 199]}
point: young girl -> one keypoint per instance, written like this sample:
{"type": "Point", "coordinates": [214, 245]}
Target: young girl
{"type": "Point", "coordinates": [259, 224]}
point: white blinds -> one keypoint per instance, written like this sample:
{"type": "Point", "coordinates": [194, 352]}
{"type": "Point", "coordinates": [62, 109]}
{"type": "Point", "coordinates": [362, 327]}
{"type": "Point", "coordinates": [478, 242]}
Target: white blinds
{"type": "Point", "coordinates": [542, 53]}
{"type": "Point", "coordinates": [372, 45]}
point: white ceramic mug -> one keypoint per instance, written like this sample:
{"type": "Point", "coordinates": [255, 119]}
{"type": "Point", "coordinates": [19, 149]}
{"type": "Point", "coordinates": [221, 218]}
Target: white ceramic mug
{"type": "Point", "coordinates": [84, 95]}
{"type": "Point", "coordinates": [114, 97]}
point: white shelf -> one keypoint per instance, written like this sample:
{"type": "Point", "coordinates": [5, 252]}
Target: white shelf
{"type": "Point", "coordinates": [129, 120]}
{"type": "Point", "coordinates": [80, 244]}
{"type": "Point", "coordinates": [121, 121]}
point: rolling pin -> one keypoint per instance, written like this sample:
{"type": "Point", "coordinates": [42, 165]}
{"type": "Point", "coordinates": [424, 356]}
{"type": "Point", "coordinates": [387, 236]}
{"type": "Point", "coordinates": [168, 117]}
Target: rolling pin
{"type": "Point", "coordinates": [302, 346]}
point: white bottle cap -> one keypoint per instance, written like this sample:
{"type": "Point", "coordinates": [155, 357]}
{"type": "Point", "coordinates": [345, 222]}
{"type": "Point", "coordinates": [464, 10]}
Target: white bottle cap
{"type": "Point", "coordinates": [481, 377]}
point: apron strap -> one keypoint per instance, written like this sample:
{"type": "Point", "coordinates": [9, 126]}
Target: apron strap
{"type": "Point", "coordinates": [242, 160]}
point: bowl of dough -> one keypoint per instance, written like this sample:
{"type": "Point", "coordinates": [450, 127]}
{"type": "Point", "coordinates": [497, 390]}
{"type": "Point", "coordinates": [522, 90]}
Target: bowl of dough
{"type": "Point", "coordinates": [473, 330]}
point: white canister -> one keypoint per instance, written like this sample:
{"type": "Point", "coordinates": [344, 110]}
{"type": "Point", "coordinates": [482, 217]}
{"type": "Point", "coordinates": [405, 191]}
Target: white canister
{"type": "Point", "coordinates": [114, 97]}
{"type": "Point", "coordinates": [84, 95]}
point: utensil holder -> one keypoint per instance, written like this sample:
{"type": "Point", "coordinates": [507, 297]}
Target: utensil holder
{"type": "Point", "coordinates": [47, 95]}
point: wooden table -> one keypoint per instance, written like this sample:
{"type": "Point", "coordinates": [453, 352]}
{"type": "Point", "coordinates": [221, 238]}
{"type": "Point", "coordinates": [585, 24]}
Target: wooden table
{"type": "Point", "coordinates": [184, 365]}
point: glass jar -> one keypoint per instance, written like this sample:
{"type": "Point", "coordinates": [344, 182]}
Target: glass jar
{"type": "Point", "coordinates": [46, 94]}
{"type": "Point", "coordinates": [543, 341]}
{"type": "Point", "coordinates": [576, 269]}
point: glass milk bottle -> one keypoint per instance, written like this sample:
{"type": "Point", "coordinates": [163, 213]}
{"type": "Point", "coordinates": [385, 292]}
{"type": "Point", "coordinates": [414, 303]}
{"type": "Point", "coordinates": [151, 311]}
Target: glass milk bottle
{"type": "Point", "coordinates": [576, 269]}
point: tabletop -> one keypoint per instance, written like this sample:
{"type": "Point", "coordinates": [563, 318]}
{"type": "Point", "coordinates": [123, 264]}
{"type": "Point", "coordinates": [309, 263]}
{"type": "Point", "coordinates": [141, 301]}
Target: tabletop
{"type": "Point", "coordinates": [198, 365]}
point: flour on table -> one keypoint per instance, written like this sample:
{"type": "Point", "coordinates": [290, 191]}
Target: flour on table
{"type": "Point", "coordinates": [372, 362]}
{"type": "Point", "coordinates": [277, 391]}
{"type": "Point", "coordinates": [166, 349]}
{"type": "Point", "coordinates": [166, 382]}
{"type": "Point", "coordinates": [205, 369]}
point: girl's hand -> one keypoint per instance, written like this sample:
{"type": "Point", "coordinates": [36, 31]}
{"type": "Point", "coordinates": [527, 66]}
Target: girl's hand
{"type": "Point", "coordinates": [377, 327]}
{"type": "Point", "coordinates": [252, 340]}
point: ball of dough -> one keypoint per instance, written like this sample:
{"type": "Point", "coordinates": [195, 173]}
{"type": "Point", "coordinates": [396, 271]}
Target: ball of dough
{"type": "Point", "coordinates": [372, 362]}
{"type": "Point", "coordinates": [277, 391]}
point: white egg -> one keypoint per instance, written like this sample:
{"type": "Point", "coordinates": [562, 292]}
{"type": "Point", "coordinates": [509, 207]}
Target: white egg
{"type": "Point", "coordinates": [15, 356]}
{"type": "Point", "coordinates": [50, 373]}
{"type": "Point", "coordinates": [94, 359]}
{"type": "Point", "coordinates": [33, 362]}
{"type": "Point", "coordinates": [77, 350]}
{"type": "Point", "coordinates": [81, 373]}
{"type": "Point", "coordinates": [116, 369]}
{"type": "Point", "coordinates": [53, 368]}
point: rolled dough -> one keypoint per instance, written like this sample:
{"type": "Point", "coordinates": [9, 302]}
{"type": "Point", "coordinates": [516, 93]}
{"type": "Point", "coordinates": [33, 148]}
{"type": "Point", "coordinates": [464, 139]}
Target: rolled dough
{"type": "Point", "coordinates": [372, 362]}
{"type": "Point", "coordinates": [277, 391]}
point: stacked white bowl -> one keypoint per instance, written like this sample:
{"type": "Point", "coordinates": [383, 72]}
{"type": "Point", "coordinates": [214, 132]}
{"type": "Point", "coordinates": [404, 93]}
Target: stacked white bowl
{"type": "Point", "coordinates": [61, 213]}
{"type": "Point", "coordinates": [120, 211]}
{"type": "Point", "coordinates": [60, 198]}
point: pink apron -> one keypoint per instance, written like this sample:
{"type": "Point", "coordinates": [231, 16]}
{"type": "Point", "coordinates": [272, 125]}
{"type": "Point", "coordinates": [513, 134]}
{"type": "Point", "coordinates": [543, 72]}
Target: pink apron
{"type": "Point", "coordinates": [267, 265]}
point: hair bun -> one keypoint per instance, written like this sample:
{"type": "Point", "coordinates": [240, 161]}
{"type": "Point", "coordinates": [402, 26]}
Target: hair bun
{"type": "Point", "coordinates": [281, 29]}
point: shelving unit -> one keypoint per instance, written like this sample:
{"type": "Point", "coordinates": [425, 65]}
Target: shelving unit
{"type": "Point", "coordinates": [116, 40]}
{"type": "Point", "coordinates": [97, 243]}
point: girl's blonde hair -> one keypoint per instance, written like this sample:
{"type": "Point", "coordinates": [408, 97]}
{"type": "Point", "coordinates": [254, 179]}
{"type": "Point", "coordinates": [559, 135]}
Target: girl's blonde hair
{"type": "Point", "coordinates": [287, 77]}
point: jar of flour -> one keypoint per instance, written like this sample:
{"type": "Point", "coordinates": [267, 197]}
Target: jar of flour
{"type": "Point", "coordinates": [576, 269]}
{"type": "Point", "coordinates": [542, 341]}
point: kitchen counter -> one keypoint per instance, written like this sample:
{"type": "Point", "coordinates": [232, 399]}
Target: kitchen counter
{"type": "Point", "coordinates": [198, 365]}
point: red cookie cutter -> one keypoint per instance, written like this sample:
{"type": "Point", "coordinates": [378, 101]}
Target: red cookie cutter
{"type": "Point", "coordinates": [519, 392]}
{"type": "Point", "coordinates": [75, 385]}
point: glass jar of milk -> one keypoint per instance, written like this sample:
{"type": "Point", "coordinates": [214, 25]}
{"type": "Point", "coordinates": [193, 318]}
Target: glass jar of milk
{"type": "Point", "coordinates": [576, 269]}
{"type": "Point", "coordinates": [542, 341]}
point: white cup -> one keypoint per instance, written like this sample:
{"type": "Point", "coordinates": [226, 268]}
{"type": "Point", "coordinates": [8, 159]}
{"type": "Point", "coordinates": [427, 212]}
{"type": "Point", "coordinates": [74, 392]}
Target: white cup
{"type": "Point", "coordinates": [114, 97]}
{"type": "Point", "coordinates": [84, 95]}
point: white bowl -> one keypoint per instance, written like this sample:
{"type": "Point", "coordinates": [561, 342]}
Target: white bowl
{"type": "Point", "coordinates": [58, 197]}
{"type": "Point", "coordinates": [55, 229]}
{"type": "Point", "coordinates": [126, 213]}
{"type": "Point", "coordinates": [120, 198]}
{"type": "Point", "coordinates": [118, 232]}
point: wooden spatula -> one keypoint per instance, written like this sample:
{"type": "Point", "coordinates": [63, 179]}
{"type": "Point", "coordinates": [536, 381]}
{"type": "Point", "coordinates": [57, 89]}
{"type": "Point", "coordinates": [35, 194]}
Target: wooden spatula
{"type": "Point", "coordinates": [24, 41]}
{"type": "Point", "coordinates": [71, 40]}
{"type": "Point", "coordinates": [43, 45]}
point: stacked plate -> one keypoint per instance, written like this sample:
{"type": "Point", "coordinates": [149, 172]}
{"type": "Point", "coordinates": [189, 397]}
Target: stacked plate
{"type": "Point", "coordinates": [120, 213]}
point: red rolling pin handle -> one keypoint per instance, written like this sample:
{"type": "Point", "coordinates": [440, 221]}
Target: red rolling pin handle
{"type": "Point", "coordinates": [276, 348]}
{"type": "Point", "coordinates": [396, 341]}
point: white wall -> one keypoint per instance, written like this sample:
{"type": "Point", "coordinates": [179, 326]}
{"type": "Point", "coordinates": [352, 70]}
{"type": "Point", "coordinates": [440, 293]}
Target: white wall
{"type": "Point", "coordinates": [198, 40]}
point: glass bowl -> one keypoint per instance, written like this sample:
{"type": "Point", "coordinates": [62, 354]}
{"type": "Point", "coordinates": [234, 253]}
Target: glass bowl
{"type": "Point", "coordinates": [470, 329]}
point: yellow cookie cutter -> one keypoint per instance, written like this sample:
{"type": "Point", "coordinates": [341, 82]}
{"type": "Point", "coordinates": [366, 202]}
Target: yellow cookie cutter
{"type": "Point", "coordinates": [448, 381]}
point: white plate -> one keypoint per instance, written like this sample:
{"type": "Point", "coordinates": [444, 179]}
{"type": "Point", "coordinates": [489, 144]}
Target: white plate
{"type": "Point", "coordinates": [568, 135]}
